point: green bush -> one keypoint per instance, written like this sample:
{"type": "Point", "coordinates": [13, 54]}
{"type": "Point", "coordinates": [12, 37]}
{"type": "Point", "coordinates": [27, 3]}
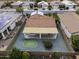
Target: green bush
{"type": "Point", "coordinates": [49, 7]}
{"type": "Point", "coordinates": [15, 54]}
{"type": "Point", "coordinates": [48, 44]}
{"type": "Point", "coordinates": [56, 55]}
{"type": "Point", "coordinates": [19, 9]}
{"type": "Point", "coordinates": [77, 11]}
{"type": "Point", "coordinates": [75, 42]}
{"type": "Point", "coordinates": [28, 15]}
{"type": "Point", "coordinates": [61, 7]}
{"type": "Point", "coordinates": [57, 19]}
{"type": "Point", "coordinates": [36, 8]}
{"type": "Point", "coordinates": [40, 0]}
{"type": "Point", "coordinates": [25, 55]}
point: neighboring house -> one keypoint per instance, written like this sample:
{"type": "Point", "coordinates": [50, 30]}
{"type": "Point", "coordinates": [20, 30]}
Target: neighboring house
{"type": "Point", "coordinates": [1, 3]}
{"type": "Point", "coordinates": [40, 27]}
{"type": "Point", "coordinates": [43, 4]}
{"type": "Point", "coordinates": [17, 4]}
{"type": "Point", "coordinates": [55, 4]}
{"type": "Point", "coordinates": [70, 5]}
{"type": "Point", "coordinates": [70, 23]}
{"type": "Point", "coordinates": [8, 23]}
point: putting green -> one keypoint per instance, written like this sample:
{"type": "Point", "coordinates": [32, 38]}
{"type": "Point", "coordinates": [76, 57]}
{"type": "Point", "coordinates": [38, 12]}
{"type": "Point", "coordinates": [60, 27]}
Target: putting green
{"type": "Point", "coordinates": [30, 44]}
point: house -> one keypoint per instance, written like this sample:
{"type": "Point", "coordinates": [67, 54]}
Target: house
{"type": "Point", "coordinates": [17, 4]}
{"type": "Point", "coordinates": [7, 23]}
{"type": "Point", "coordinates": [40, 27]}
{"type": "Point", "coordinates": [55, 4]}
{"type": "Point", "coordinates": [1, 3]}
{"type": "Point", "coordinates": [70, 5]}
{"type": "Point", "coordinates": [70, 23]}
{"type": "Point", "coordinates": [43, 4]}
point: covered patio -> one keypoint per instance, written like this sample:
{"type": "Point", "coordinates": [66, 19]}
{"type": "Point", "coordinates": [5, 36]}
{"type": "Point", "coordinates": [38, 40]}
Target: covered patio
{"type": "Point", "coordinates": [41, 33]}
{"type": "Point", "coordinates": [40, 27]}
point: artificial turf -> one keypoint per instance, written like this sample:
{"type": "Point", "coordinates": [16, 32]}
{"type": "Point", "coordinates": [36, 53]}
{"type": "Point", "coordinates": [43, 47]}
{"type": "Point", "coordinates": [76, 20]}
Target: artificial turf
{"type": "Point", "coordinates": [30, 44]}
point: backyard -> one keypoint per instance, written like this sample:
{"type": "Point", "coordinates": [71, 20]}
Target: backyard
{"type": "Point", "coordinates": [37, 45]}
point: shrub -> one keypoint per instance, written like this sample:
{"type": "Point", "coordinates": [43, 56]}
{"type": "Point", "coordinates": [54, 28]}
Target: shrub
{"type": "Point", "coordinates": [28, 15]}
{"type": "Point", "coordinates": [77, 11]}
{"type": "Point", "coordinates": [49, 7]}
{"type": "Point", "coordinates": [19, 9]}
{"type": "Point", "coordinates": [31, 6]}
{"type": "Point", "coordinates": [61, 7]}
{"type": "Point", "coordinates": [25, 55]}
{"type": "Point", "coordinates": [15, 54]}
{"type": "Point", "coordinates": [56, 55]}
{"type": "Point", "coordinates": [75, 42]}
{"type": "Point", "coordinates": [48, 44]}
{"type": "Point", "coordinates": [57, 19]}
{"type": "Point", "coordinates": [40, 0]}
{"type": "Point", "coordinates": [36, 8]}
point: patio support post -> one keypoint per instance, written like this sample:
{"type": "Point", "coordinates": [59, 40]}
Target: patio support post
{"type": "Point", "coordinates": [3, 35]}
{"type": "Point", "coordinates": [40, 36]}
{"type": "Point", "coordinates": [55, 36]}
{"type": "Point", "coordinates": [7, 31]}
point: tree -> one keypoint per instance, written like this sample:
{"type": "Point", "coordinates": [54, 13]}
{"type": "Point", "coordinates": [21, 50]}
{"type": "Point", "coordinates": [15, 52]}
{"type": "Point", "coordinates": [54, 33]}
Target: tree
{"type": "Point", "coordinates": [48, 44]}
{"type": "Point", "coordinates": [15, 54]}
{"type": "Point", "coordinates": [57, 19]}
{"type": "Point", "coordinates": [49, 7]}
{"type": "Point", "coordinates": [75, 42]}
{"type": "Point", "coordinates": [25, 55]}
{"type": "Point", "coordinates": [20, 9]}
{"type": "Point", "coordinates": [77, 11]}
{"type": "Point", "coordinates": [62, 7]}
{"type": "Point", "coordinates": [40, 0]}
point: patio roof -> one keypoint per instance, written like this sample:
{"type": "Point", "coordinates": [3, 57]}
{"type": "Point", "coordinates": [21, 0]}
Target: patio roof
{"type": "Point", "coordinates": [40, 30]}
{"type": "Point", "coordinates": [71, 21]}
{"type": "Point", "coordinates": [40, 24]}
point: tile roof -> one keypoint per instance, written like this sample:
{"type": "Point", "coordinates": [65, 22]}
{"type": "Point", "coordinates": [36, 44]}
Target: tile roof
{"type": "Point", "coordinates": [71, 21]}
{"type": "Point", "coordinates": [40, 21]}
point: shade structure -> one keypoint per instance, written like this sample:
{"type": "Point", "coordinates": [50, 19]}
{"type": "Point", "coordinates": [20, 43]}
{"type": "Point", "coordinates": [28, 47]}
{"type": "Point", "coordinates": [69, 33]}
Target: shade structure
{"type": "Point", "coordinates": [43, 3]}
{"type": "Point", "coordinates": [37, 12]}
{"type": "Point", "coordinates": [29, 30]}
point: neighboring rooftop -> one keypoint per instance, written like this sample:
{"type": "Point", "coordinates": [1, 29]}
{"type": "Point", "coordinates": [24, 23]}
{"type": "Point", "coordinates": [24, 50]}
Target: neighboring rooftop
{"type": "Point", "coordinates": [68, 2]}
{"type": "Point", "coordinates": [71, 21]}
{"type": "Point", "coordinates": [7, 18]}
{"type": "Point", "coordinates": [17, 3]}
